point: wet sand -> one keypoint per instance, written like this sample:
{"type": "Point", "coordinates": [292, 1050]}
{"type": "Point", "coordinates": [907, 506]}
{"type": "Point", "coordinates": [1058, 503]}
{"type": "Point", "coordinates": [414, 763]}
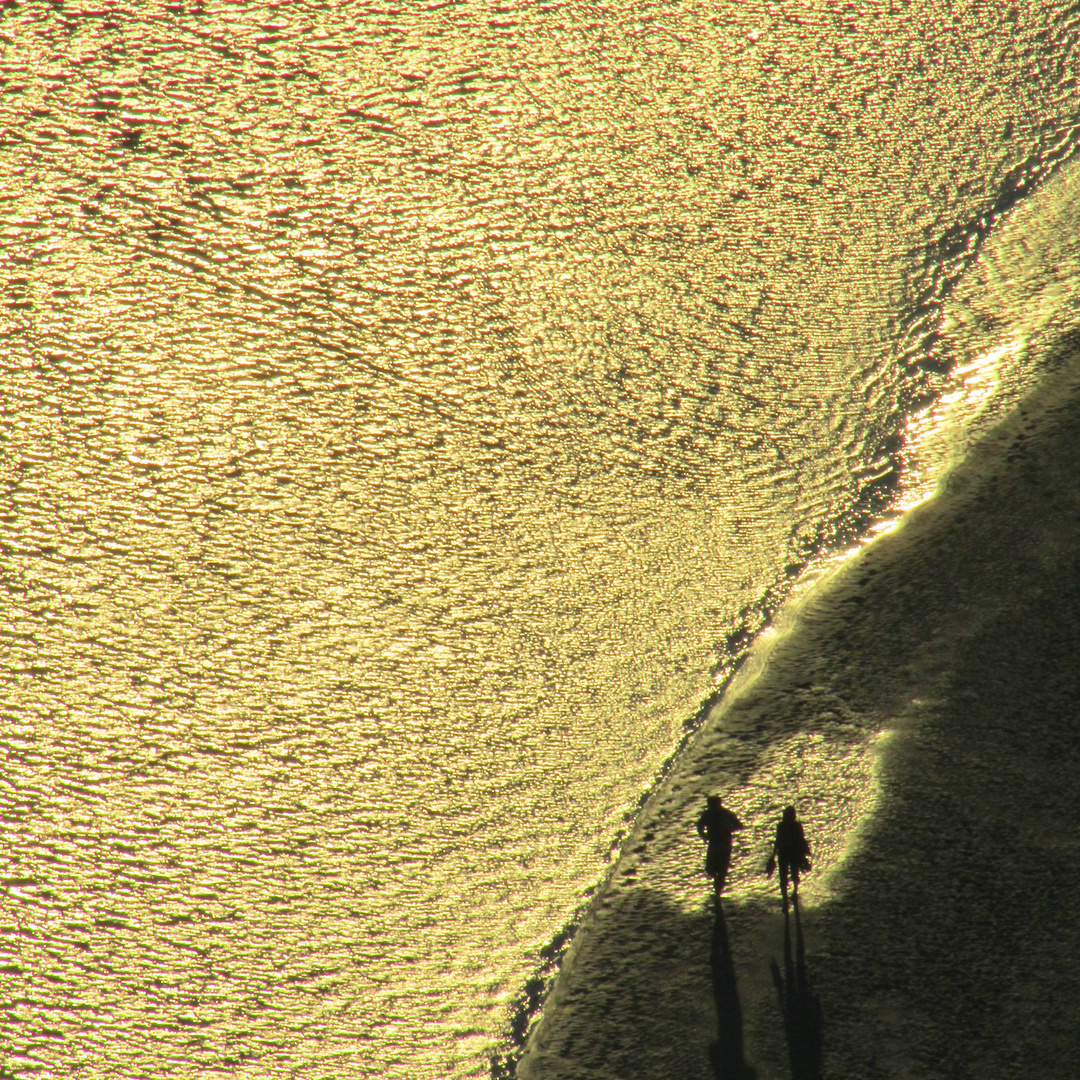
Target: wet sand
{"type": "Point", "coordinates": [948, 942]}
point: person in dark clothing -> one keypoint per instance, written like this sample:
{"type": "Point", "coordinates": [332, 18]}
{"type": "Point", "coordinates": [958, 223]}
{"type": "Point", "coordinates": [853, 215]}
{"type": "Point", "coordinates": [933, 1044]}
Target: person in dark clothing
{"type": "Point", "coordinates": [716, 825]}
{"type": "Point", "coordinates": [790, 852]}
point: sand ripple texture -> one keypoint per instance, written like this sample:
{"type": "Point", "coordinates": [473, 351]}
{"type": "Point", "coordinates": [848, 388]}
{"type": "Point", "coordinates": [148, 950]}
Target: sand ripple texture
{"type": "Point", "coordinates": [399, 407]}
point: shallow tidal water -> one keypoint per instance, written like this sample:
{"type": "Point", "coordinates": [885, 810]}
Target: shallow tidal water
{"type": "Point", "coordinates": [406, 417]}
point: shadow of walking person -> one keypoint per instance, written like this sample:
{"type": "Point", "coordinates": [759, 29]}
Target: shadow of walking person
{"type": "Point", "coordinates": [726, 1053]}
{"type": "Point", "coordinates": [799, 1007]}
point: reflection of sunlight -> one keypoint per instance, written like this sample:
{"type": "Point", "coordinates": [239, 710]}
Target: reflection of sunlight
{"type": "Point", "coordinates": [827, 877]}
{"type": "Point", "coordinates": [875, 532]}
{"type": "Point", "coordinates": [1019, 287]}
{"type": "Point", "coordinates": [832, 783]}
{"type": "Point", "coordinates": [939, 436]}
{"type": "Point", "coordinates": [831, 779]}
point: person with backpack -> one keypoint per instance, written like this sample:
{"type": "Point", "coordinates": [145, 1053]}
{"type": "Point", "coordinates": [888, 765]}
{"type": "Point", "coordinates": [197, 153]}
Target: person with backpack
{"type": "Point", "coordinates": [790, 852]}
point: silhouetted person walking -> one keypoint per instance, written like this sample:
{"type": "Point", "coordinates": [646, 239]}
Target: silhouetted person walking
{"type": "Point", "coordinates": [716, 825]}
{"type": "Point", "coordinates": [790, 851]}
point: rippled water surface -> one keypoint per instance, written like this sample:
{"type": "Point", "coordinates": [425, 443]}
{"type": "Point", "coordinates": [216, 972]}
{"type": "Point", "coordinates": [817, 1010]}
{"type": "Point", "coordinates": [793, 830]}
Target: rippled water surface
{"type": "Point", "coordinates": [400, 408]}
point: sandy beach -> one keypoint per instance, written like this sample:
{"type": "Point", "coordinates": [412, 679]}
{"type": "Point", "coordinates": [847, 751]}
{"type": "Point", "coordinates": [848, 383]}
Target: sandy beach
{"type": "Point", "coordinates": [947, 940]}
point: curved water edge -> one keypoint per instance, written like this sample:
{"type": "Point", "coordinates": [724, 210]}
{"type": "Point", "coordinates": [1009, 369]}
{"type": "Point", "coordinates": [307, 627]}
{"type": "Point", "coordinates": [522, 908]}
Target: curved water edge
{"type": "Point", "coordinates": [1000, 336]}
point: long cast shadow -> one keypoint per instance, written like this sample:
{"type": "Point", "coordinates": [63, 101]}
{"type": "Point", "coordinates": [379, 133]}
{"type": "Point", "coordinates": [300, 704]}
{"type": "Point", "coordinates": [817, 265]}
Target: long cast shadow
{"type": "Point", "coordinates": [634, 999]}
{"type": "Point", "coordinates": [799, 1006]}
{"type": "Point", "coordinates": [726, 1054]}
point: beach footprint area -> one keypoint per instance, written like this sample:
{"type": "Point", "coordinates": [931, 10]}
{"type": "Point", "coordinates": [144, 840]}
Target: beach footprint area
{"type": "Point", "coordinates": [920, 707]}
